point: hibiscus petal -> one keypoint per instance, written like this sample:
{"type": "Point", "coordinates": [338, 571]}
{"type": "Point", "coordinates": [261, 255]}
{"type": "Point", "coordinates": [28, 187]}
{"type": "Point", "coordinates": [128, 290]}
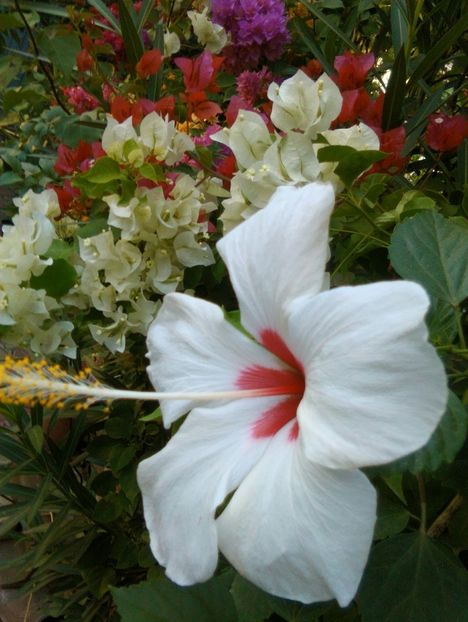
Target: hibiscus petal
{"type": "Point", "coordinates": [299, 530]}
{"type": "Point", "coordinates": [375, 388]}
{"type": "Point", "coordinates": [279, 253]}
{"type": "Point", "coordinates": [183, 484]}
{"type": "Point", "coordinates": [192, 347]}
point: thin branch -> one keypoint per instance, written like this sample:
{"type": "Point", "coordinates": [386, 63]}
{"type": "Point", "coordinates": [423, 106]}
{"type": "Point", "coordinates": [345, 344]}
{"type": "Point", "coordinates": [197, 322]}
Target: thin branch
{"type": "Point", "coordinates": [441, 522]}
{"type": "Point", "coordinates": [42, 65]}
{"type": "Point", "coordinates": [422, 502]}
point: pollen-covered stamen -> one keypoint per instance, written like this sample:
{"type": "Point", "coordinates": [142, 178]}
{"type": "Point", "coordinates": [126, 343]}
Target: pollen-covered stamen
{"type": "Point", "coordinates": [27, 382]}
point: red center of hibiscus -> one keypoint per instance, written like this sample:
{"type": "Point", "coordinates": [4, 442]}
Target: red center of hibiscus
{"type": "Point", "coordinates": [291, 382]}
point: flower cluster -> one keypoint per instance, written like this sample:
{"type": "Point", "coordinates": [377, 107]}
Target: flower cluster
{"type": "Point", "coordinates": [151, 234]}
{"type": "Point", "coordinates": [257, 28]}
{"type": "Point", "coordinates": [29, 317]}
{"type": "Point", "coordinates": [301, 110]}
{"type": "Point", "coordinates": [156, 225]}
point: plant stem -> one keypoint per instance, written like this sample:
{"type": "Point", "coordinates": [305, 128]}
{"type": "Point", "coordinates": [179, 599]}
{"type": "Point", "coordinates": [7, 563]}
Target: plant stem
{"type": "Point", "coordinates": [423, 503]}
{"type": "Point", "coordinates": [461, 334]}
{"type": "Point", "coordinates": [441, 522]}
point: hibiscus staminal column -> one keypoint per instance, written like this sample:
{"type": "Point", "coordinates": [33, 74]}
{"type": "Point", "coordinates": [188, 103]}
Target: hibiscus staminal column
{"type": "Point", "coordinates": [365, 388]}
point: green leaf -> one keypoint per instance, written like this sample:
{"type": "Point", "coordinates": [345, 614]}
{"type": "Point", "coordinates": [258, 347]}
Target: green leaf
{"type": "Point", "coordinates": [59, 249]}
{"type": "Point", "coordinates": [458, 527]}
{"type": "Point", "coordinates": [93, 227]}
{"type": "Point", "coordinates": [106, 13]}
{"type": "Point", "coordinates": [446, 441]}
{"type": "Point", "coordinates": [40, 7]}
{"type": "Point", "coordinates": [395, 93]}
{"type": "Point", "coordinates": [70, 130]}
{"type": "Point", "coordinates": [308, 37]}
{"type": "Point", "coordinates": [399, 22]}
{"type": "Point", "coordinates": [36, 437]}
{"type": "Point", "coordinates": [10, 20]}
{"type": "Point", "coordinates": [329, 24]}
{"type": "Point", "coordinates": [351, 162]}
{"type": "Point", "coordinates": [56, 279]}
{"type": "Point", "coordinates": [442, 322]}
{"type": "Point", "coordinates": [156, 415]}
{"type": "Point", "coordinates": [153, 172]}
{"type": "Point", "coordinates": [155, 81]}
{"type": "Point", "coordinates": [11, 449]}
{"type": "Point", "coordinates": [145, 11]}
{"type": "Point", "coordinates": [119, 427]}
{"type": "Point", "coordinates": [61, 48]}
{"type": "Point", "coordinates": [252, 604]}
{"type": "Point", "coordinates": [255, 605]}
{"type": "Point", "coordinates": [438, 49]}
{"type": "Point", "coordinates": [417, 124]}
{"type": "Point", "coordinates": [9, 523]}
{"type": "Point", "coordinates": [104, 483]}
{"type": "Point", "coordinates": [462, 167]}
{"type": "Point", "coordinates": [109, 510]}
{"type": "Point", "coordinates": [104, 170]}
{"type": "Point", "coordinates": [433, 251]}
{"type": "Point", "coordinates": [161, 600]}
{"type": "Point", "coordinates": [23, 97]}
{"type": "Point", "coordinates": [132, 40]}
{"type": "Point", "coordinates": [411, 578]}
{"type": "Point", "coordinates": [9, 178]}
{"type": "Point", "coordinates": [121, 459]}
{"type": "Point", "coordinates": [392, 517]}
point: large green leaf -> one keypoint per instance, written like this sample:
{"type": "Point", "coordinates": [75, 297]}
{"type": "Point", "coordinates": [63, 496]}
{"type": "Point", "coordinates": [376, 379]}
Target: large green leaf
{"type": "Point", "coordinates": [161, 600]}
{"type": "Point", "coordinates": [411, 578]}
{"type": "Point", "coordinates": [395, 93]}
{"type": "Point", "coordinates": [255, 605]}
{"type": "Point", "coordinates": [433, 251]}
{"type": "Point", "coordinates": [444, 444]}
{"type": "Point", "coordinates": [392, 517]}
{"type": "Point", "coordinates": [61, 48]}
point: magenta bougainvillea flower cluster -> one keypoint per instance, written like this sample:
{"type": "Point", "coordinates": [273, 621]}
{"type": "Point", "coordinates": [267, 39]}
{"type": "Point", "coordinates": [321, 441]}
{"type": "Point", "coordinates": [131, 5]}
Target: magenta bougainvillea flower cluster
{"type": "Point", "coordinates": [258, 30]}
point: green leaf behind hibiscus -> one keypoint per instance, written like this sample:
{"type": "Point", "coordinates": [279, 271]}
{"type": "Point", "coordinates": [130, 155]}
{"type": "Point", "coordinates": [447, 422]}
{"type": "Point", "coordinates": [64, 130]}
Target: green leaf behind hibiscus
{"type": "Point", "coordinates": [411, 578]}
{"type": "Point", "coordinates": [160, 600]}
{"type": "Point", "coordinates": [433, 251]}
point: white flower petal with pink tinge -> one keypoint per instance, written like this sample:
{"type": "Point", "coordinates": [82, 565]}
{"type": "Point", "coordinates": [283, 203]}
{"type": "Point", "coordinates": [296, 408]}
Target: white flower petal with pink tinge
{"type": "Point", "coordinates": [279, 254]}
{"type": "Point", "coordinates": [375, 388]}
{"type": "Point", "coordinates": [193, 348]}
{"type": "Point", "coordinates": [363, 387]}
{"type": "Point", "coordinates": [299, 530]}
{"type": "Point", "coordinates": [183, 484]}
